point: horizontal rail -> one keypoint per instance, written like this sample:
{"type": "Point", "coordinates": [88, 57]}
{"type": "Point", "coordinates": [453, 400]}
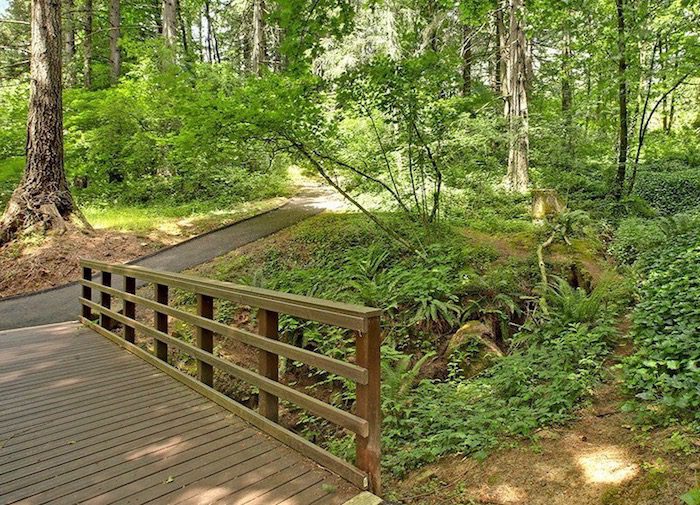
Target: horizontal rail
{"type": "Point", "coordinates": [333, 414]}
{"type": "Point", "coordinates": [292, 440]}
{"type": "Point", "coordinates": [345, 315]}
{"type": "Point", "coordinates": [347, 370]}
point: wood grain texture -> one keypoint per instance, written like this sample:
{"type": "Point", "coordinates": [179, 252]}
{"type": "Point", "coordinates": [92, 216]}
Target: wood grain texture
{"type": "Point", "coordinates": [137, 436]}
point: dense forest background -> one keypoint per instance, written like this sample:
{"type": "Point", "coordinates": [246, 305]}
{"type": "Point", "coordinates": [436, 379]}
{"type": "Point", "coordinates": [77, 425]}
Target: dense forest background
{"type": "Point", "coordinates": [448, 126]}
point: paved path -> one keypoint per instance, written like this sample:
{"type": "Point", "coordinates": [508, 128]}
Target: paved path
{"type": "Point", "coordinates": [61, 304]}
{"type": "Point", "coordinates": [83, 421]}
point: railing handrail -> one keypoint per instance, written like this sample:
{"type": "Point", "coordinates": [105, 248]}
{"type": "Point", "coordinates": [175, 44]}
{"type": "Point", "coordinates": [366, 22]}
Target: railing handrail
{"type": "Point", "coordinates": [365, 372]}
{"type": "Point", "coordinates": [345, 315]}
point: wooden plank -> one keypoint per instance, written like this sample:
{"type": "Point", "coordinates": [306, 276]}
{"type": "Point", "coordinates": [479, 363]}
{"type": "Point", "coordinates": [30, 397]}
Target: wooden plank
{"type": "Point", "coordinates": [249, 460]}
{"type": "Point", "coordinates": [288, 489]}
{"type": "Point", "coordinates": [91, 425]}
{"type": "Point", "coordinates": [119, 477]}
{"type": "Point", "coordinates": [262, 487]}
{"type": "Point", "coordinates": [268, 364]}
{"type": "Point", "coordinates": [205, 339]}
{"type": "Point", "coordinates": [91, 432]}
{"type": "Point", "coordinates": [182, 470]}
{"type": "Point", "coordinates": [368, 404]}
{"type": "Point", "coordinates": [90, 459]}
{"type": "Point", "coordinates": [106, 300]}
{"type": "Point", "coordinates": [130, 308]}
{"type": "Point", "coordinates": [86, 292]}
{"type": "Point", "coordinates": [46, 477]}
{"type": "Point", "coordinates": [161, 322]}
{"type": "Point", "coordinates": [329, 412]}
{"type": "Point", "coordinates": [340, 314]}
{"type": "Point", "coordinates": [73, 399]}
{"type": "Point", "coordinates": [49, 415]}
{"type": "Point", "coordinates": [347, 370]}
{"type": "Point", "coordinates": [292, 440]}
{"type": "Point", "coordinates": [218, 484]}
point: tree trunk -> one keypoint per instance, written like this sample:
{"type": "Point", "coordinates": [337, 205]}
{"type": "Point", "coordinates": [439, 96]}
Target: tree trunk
{"type": "Point", "coordinates": [115, 58]}
{"type": "Point", "coordinates": [501, 41]}
{"type": "Point", "coordinates": [567, 98]}
{"type": "Point", "coordinates": [466, 60]}
{"type": "Point", "coordinates": [516, 109]}
{"type": "Point", "coordinates": [169, 22]}
{"type": "Point", "coordinates": [69, 49]}
{"type": "Point", "coordinates": [622, 92]}
{"type": "Point", "coordinates": [87, 46]}
{"type": "Point", "coordinates": [257, 58]}
{"type": "Point", "coordinates": [42, 198]}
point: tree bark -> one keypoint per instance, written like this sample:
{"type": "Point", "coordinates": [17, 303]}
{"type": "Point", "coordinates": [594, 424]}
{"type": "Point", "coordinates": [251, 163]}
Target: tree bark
{"type": "Point", "coordinates": [258, 57]}
{"type": "Point", "coordinates": [466, 60]}
{"type": "Point", "coordinates": [42, 198]}
{"type": "Point", "coordinates": [622, 100]}
{"type": "Point", "coordinates": [501, 40]}
{"type": "Point", "coordinates": [87, 46]}
{"type": "Point", "coordinates": [69, 48]}
{"type": "Point", "coordinates": [169, 22]}
{"type": "Point", "coordinates": [516, 106]}
{"type": "Point", "coordinates": [567, 98]}
{"type": "Point", "coordinates": [115, 58]}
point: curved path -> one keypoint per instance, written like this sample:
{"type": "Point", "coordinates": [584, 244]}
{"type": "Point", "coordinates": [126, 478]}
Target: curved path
{"type": "Point", "coordinates": [61, 304]}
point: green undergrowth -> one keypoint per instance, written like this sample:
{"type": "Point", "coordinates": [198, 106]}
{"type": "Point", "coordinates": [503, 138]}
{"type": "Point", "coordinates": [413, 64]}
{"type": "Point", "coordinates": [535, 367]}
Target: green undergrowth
{"type": "Point", "coordinates": [10, 173]}
{"type": "Point", "coordinates": [549, 366]}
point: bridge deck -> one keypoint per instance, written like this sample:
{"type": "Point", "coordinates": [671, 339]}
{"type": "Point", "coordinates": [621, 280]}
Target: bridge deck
{"type": "Point", "coordinates": [82, 421]}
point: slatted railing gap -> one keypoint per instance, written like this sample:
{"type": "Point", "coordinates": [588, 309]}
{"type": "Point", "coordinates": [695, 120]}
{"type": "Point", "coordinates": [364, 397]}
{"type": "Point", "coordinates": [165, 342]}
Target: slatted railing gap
{"type": "Point", "coordinates": [364, 372]}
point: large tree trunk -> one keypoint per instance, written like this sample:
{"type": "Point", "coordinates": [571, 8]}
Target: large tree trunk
{"type": "Point", "coordinates": [87, 46]}
{"type": "Point", "coordinates": [258, 56]}
{"type": "Point", "coordinates": [516, 110]}
{"type": "Point", "coordinates": [69, 48]}
{"type": "Point", "coordinates": [466, 60]}
{"type": "Point", "coordinates": [115, 58]}
{"type": "Point", "coordinates": [622, 97]}
{"type": "Point", "coordinates": [42, 198]}
{"type": "Point", "coordinates": [169, 22]}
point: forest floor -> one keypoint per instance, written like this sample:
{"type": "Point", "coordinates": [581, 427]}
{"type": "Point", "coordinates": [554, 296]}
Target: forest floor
{"type": "Point", "coordinates": [38, 262]}
{"type": "Point", "coordinates": [602, 458]}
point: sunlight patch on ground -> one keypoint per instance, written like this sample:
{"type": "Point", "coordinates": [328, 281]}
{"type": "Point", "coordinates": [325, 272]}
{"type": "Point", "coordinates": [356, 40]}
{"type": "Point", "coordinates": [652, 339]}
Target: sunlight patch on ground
{"type": "Point", "coordinates": [504, 494]}
{"type": "Point", "coordinates": [610, 465]}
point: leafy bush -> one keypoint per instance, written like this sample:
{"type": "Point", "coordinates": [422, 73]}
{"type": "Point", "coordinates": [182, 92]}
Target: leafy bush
{"type": "Point", "coordinates": [664, 373]}
{"type": "Point", "coordinates": [540, 384]}
{"type": "Point", "coordinates": [672, 191]}
{"type": "Point", "coordinates": [635, 236]}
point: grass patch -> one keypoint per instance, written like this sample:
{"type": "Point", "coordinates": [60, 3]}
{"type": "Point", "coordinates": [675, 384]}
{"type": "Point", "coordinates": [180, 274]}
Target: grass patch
{"type": "Point", "coordinates": [165, 220]}
{"type": "Point", "coordinates": [10, 174]}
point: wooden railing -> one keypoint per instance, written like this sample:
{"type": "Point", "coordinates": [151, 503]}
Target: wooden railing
{"type": "Point", "coordinates": [365, 372]}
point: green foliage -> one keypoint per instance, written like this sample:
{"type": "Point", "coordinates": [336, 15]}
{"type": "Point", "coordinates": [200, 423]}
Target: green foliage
{"type": "Point", "coordinates": [670, 192]}
{"type": "Point", "coordinates": [664, 371]}
{"type": "Point", "coordinates": [634, 237]}
{"type": "Point", "coordinates": [10, 174]}
{"type": "Point", "coordinates": [692, 497]}
{"type": "Point", "coordinates": [539, 384]}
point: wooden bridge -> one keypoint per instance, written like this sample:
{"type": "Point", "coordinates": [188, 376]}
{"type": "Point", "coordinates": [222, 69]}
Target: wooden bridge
{"type": "Point", "coordinates": [83, 421]}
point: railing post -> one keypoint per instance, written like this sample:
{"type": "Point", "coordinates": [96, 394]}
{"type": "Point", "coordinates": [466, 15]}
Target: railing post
{"type": "Point", "coordinates": [205, 339]}
{"type": "Point", "coordinates": [161, 322]}
{"type": "Point", "coordinates": [87, 292]}
{"type": "Point", "coordinates": [368, 450]}
{"type": "Point", "coordinates": [129, 309]}
{"type": "Point", "coordinates": [106, 301]}
{"type": "Point", "coordinates": [268, 363]}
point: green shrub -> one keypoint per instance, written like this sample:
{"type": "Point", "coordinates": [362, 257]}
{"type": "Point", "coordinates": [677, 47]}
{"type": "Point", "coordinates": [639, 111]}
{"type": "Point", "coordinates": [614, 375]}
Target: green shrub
{"type": "Point", "coordinates": [664, 373]}
{"type": "Point", "coordinates": [540, 384]}
{"type": "Point", "coordinates": [635, 236]}
{"type": "Point", "coordinates": [670, 192]}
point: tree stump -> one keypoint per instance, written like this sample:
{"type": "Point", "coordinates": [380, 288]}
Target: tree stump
{"type": "Point", "coordinates": [546, 203]}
